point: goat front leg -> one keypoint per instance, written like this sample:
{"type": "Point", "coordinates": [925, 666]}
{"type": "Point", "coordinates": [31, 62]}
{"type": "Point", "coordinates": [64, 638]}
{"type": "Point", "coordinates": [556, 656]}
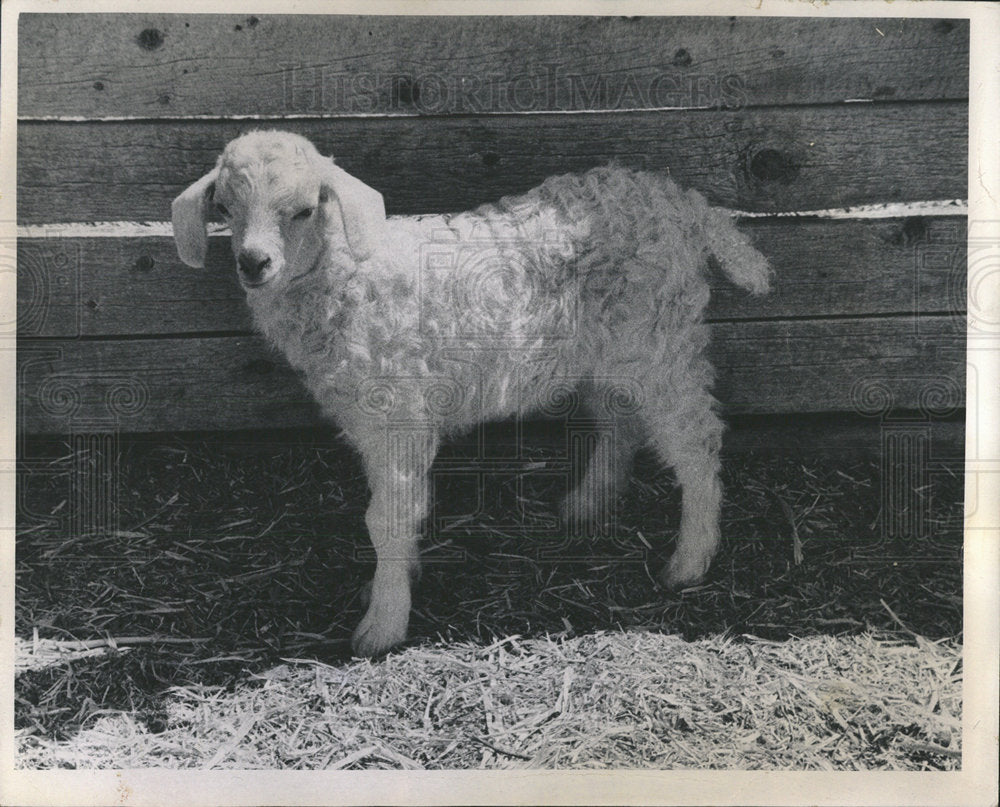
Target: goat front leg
{"type": "Point", "coordinates": [398, 476]}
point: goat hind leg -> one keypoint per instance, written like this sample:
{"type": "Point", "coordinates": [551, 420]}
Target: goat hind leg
{"type": "Point", "coordinates": [615, 439]}
{"type": "Point", "coordinates": [689, 440]}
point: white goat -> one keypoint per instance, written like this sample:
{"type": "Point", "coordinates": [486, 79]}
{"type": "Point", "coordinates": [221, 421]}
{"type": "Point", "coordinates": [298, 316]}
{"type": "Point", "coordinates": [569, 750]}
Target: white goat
{"type": "Point", "coordinates": [409, 329]}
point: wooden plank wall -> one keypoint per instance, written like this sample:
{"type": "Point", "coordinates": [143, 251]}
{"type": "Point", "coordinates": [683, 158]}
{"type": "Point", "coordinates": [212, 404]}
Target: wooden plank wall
{"type": "Point", "coordinates": [118, 113]}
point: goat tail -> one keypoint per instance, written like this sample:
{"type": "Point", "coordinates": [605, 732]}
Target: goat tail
{"type": "Point", "coordinates": [741, 262]}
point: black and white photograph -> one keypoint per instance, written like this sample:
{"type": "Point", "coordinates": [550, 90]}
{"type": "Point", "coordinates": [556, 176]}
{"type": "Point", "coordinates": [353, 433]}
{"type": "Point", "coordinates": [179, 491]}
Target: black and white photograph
{"type": "Point", "coordinates": [598, 400]}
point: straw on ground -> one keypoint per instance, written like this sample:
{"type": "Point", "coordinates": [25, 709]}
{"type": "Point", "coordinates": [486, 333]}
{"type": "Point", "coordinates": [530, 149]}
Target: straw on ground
{"type": "Point", "coordinates": [604, 700]}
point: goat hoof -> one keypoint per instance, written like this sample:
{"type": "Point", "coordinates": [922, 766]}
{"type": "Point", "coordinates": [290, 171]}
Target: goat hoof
{"type": "Point", "coordinates": [683, 572]}
{"type": "Point", "coordinates": [382, 628]}
{"type": "Point", "coordinates": [372, 641]}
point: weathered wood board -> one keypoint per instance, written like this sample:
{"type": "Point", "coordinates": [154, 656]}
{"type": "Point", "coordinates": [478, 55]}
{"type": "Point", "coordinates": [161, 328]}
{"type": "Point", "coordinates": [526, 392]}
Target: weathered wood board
{"type": "Point", "coordinates": [173, 65]}
{"type": "Point", "coordinates": [759, 160]}
{"type": "Point", "coordinates": [119, 113]}
{"type": "Point", "coordinates": [138, 286]}
{"type": "Point", "coordinates": [163, 384]}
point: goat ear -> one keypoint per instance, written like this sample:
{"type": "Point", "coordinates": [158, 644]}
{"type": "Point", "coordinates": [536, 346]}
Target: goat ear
{"type": "Point", "coordinates": [189, 213]}
{"type": "Point", "coordinates": [361, 209]}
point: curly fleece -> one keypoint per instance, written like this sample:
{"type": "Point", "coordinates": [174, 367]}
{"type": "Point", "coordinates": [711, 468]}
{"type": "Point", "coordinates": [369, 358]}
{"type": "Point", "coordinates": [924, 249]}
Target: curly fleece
{"type": "Point", "coordinates": [592, 276]}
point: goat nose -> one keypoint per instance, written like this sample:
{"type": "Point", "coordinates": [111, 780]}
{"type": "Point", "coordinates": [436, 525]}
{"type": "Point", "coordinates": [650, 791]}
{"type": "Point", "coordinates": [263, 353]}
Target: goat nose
{"type": "Point", "coordinates": [252, 264]}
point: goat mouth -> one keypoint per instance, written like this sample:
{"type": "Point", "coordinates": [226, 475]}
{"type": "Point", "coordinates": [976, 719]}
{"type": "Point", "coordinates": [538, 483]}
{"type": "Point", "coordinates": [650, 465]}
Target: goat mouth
{"type": "Point", "coordinates": [308, 271]}
{"type": "Point", "coordinates": [254, 284]}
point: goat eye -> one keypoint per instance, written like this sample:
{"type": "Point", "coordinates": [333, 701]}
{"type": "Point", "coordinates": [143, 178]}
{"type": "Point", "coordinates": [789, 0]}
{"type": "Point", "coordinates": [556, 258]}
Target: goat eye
{"type": "Point", "coordinates": [222, 209]}
{"type": "Point", "coordinates": [303, 214]}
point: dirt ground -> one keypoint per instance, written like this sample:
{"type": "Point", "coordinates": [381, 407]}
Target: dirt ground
{"type": "Point", "coordinates": [241, 549]}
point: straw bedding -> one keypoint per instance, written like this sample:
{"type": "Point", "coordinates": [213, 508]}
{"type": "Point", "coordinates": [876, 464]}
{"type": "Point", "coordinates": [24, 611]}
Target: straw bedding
{"type": "Point", "coordinates": [606, 700]}
{"type": "Point", "coordinates": [222, 564]}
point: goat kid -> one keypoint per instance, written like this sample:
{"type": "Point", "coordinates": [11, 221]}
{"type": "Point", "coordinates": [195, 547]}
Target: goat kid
{"type": "Point", "coordinates": [588, 289]}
